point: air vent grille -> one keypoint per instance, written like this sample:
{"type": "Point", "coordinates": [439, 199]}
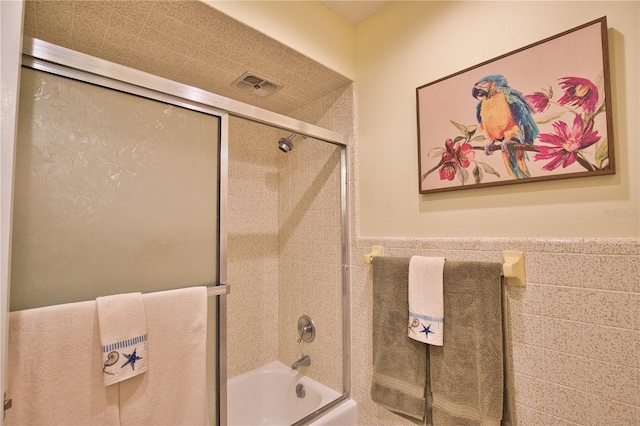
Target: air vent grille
{"type": "Point", "coordinates": [257, 85]}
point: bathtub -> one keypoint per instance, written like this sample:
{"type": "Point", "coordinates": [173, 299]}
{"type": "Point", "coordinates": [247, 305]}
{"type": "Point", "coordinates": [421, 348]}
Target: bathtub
{"type": "Point", "coordinates": [267, 396]}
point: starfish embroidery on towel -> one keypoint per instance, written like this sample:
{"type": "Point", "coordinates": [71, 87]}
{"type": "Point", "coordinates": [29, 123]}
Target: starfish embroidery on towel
{"type": "Point", "coordinates": [131, 359]}
{"type": "Point", "coordinates": [427, 330]}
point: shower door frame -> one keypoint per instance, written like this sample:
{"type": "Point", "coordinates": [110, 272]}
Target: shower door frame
{"type": "Point", "coordinates": [44, 56]}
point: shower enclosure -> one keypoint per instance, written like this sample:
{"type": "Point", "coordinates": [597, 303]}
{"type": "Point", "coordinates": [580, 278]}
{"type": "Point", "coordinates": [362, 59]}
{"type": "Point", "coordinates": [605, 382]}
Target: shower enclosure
{"type": "Point", "coordinates": [272, 223]}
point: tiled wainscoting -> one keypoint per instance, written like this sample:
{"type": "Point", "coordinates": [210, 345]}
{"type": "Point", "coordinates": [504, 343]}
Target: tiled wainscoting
{"type": "Point", "coordinates": [575, 327]}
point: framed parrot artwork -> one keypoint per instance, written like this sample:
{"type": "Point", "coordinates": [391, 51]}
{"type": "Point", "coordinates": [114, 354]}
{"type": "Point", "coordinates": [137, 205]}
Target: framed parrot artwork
{"type": "Point", "coordinates": [541, 112]}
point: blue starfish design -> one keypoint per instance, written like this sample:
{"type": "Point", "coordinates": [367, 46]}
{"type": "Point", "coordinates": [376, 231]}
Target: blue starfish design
{"type": "Point", "coordinates": [131, 359]}
{"type": "Point", "coordinates": [427, 330]}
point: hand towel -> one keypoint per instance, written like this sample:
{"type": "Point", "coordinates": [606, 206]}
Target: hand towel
{"type": "Point", "coordinates": [123, 336]}
{"type": "Point", "coordinates": [54, 370]}
{"type": "Point", "coordinates": [174, 389]}
{"type": "Point", "coordinates": [399, 363]}
{"type": "Point", "coordinates": [426, 305]}
{"type": "Point", "coordinates": [467, 371]}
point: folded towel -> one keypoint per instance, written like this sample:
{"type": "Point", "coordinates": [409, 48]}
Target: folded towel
{"type": "Point", "coordinates": [426, 305]}
{"type": "Point", "coordinates": [123, 336]}
{"type": "Point", "coordinates": [467, 371]}
{"type": "Point", "coordinates": [399, 363]}
{"type": "Point", "coordinates": [174, 389]}
{"type": "Point", "coordinates": [54, 370]}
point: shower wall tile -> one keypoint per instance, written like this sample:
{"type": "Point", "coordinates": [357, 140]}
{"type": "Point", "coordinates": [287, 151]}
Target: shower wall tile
{"type": "Point", "coordinates": [252, 248]}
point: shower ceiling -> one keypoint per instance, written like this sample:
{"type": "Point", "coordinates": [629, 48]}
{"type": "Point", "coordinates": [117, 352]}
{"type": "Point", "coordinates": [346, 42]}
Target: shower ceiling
{"type": "Point", "coordinates": [185, 41]}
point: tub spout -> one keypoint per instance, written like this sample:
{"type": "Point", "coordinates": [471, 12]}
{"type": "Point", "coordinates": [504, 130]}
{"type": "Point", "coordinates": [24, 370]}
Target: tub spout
{"type": "Point", "coordinates": [305, 361]}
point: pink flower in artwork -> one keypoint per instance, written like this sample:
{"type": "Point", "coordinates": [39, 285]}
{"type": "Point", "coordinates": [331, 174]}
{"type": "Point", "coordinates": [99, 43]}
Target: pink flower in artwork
{"type": "Point", "coordinates": [539, 101]}
{"type": "Point", "coordinates": [455, 157]}
{"type": "Point", "coordinates": [579, 92]}
{"type": "Point", "coordinates": [565, 144]}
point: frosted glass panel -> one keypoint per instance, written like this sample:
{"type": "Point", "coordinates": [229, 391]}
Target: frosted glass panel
{"type": "Point", "coordinates": [114, 193]}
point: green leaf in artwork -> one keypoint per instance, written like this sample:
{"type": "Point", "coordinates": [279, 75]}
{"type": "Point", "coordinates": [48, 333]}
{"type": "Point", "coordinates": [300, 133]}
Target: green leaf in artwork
{"type": "Point", "coordinates": [462, 128]}
{"type": "Point", "coordinates": [459, 138]}
{"type": "Point", "coordinates": [477, 174]}
{"type": "Point", "coordinates": [488, 169]}
{"type": "Point", "coordinates": [602, 154]}
{"type": "Point", "coordinates": [463, 174]}
{"type": "Point", "coordinates": [436, 152]}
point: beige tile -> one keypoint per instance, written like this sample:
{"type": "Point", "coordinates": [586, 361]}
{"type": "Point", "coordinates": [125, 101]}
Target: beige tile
{"type": "Point", "coordinates": [565, 369]}
{"type": "Point", "coordinates": [557, 421]}
{"type": "Point", "coordinates": [96, 11]}
{"type": "Point", "coordinates": [608, 273]}
{"type": "Point", "coordinates": [528, 360]}
{"type": "Point", "coordinates": [613, 381]}
{"type": "Point", "coordinates": [601, 410]}
{"type": "Point", "coordinates": [565, 403]}
{"type": "Point", "coordinates": [137, 11]}
{"type": "Point", "coordinates": [616, 309]}
{"type": "Point", "coordinates": [529, 392]}
{"type": "Point", "coordinates": [124, 24]}
{"type": "Point", "coordinates": [556, 268]}
{"type": "Point", "coordinates": [614, 345]}
{"type": "Point", "coordinates": [528, 329]}
{"type": "Point", "coordinates": [526, 416]}
{"type": "Point", "coordinates": [563, 302]}
{"type": "Point", "coordinates": [568, 336]}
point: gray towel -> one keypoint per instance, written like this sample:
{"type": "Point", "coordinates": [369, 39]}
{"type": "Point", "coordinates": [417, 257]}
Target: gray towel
{"type": "Point", "coordinates": [467, 371]}
{"type": "Point", "coordinates": [399, 363]}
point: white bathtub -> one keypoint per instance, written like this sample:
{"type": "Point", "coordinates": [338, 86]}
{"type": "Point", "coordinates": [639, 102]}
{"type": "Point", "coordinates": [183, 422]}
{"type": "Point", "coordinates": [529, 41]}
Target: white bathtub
{"type": "Point", "coordinates": [267, 396]}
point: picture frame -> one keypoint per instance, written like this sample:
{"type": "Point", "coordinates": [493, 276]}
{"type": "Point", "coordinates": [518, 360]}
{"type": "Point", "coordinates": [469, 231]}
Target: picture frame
{"type": "Point", "coordinates": [541, 112]}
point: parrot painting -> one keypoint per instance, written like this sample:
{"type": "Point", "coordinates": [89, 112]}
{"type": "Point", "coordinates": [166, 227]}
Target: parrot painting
{"type": "Point", "coordinates": [505, 116]}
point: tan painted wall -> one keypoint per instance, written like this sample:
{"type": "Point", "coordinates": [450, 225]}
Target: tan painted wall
{"type": "Point", "coordinates": [409, 44]}
{"type": "Point", "coordinates": [306, 26]}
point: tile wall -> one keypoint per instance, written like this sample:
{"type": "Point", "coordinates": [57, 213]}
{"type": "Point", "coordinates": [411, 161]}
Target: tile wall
{"type": "Point", "coordinates": [284, 251]}
{"type": "Point", "coordinates": [252, 309]}
{"type": "Point", "coordinates": [575, 327]}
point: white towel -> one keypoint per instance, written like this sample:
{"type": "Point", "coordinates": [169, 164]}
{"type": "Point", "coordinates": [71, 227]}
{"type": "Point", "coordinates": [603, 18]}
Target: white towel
{"type": "Point", "coordinates": [426, 300]}
{"type": "Point", "coordinates": [123, 336]}
{"type": "Point", "coordinates": [174, 389]}
{"type": "Point", "coordinates": [54, 371]}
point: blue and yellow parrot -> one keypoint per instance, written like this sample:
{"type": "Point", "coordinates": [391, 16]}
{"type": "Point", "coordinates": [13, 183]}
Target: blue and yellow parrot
{"type": "Point", "coordinates": [505, 116]}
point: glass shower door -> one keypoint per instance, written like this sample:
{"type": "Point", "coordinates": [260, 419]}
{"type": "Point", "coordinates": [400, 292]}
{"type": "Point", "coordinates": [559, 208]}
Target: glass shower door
{"type": "Point", "coordinates": [114, 193]}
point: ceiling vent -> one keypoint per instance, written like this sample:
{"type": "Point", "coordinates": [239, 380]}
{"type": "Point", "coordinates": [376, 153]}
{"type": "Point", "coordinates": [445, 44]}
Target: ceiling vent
{"type": "Point", "coordinates": [257, 85]}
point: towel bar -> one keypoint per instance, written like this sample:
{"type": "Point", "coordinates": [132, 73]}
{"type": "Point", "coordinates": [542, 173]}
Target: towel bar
{"type": "Point", "coordinates": [513, 268]}
{"type": "Point", "coordinates": [375, 251]}
{"type": "Point", "coordinates": [512, 265]}
{"type": "Point", "coordinates": [218, 290]}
